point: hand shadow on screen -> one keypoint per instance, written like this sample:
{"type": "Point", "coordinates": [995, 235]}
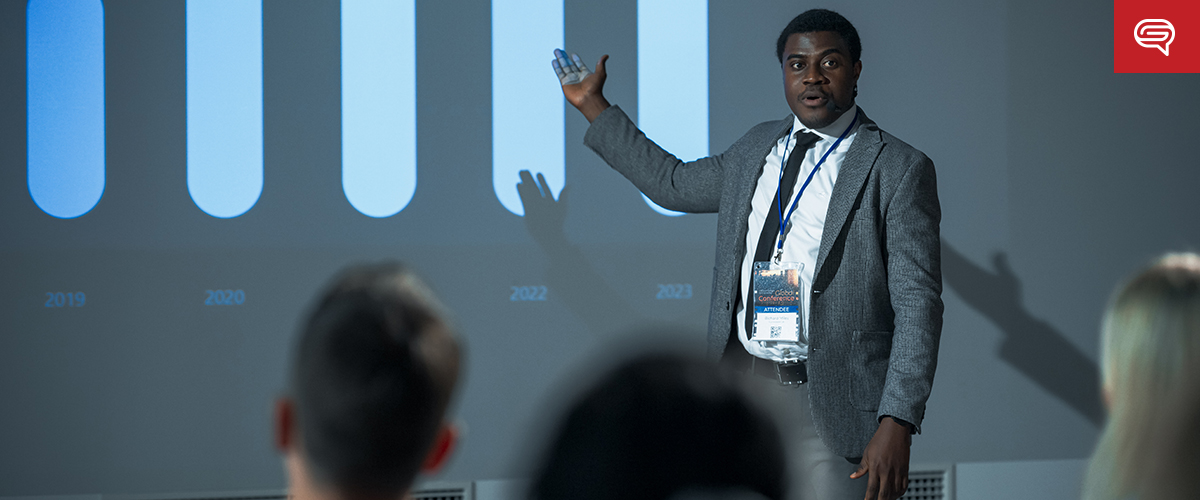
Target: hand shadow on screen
{"type": "Point", "coordinates": [569, 275]}
{"type": "Point", "coordinates": [1030, 344]}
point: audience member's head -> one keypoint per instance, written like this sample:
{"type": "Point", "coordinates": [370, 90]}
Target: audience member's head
{"type": "Point", "coordinates": [1150, 343]}
{"type": "Point", "coordinates": [664, 426]}
{"type": "Point", "coordinates": [1174, 469]}
{"type": "Point", "coordinates": [371, 376]}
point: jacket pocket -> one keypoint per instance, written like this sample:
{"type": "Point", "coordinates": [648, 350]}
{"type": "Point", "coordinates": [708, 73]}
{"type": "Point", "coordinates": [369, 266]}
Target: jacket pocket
{"type": "Point", "coordinates": [869, 355]}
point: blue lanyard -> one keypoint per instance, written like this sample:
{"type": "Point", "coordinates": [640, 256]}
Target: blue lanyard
{"type": "Point", "coordinates": [779, 192]}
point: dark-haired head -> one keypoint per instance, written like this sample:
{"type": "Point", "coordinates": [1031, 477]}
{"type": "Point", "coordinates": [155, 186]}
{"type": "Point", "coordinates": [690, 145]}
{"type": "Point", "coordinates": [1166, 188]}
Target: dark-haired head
{"type": "Point", "coordinates": [819, 55]}
{"type": "Point", "coordinates": [659, 426]}
{"type": "Point", "coordinates": [815, 20]}
{"type": "Point", "coordinates": [372, 374]}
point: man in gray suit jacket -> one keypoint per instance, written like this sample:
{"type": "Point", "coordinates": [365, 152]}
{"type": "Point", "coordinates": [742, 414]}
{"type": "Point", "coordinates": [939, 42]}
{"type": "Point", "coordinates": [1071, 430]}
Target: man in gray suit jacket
{"type": "Point", "coordinates": [868, 227]}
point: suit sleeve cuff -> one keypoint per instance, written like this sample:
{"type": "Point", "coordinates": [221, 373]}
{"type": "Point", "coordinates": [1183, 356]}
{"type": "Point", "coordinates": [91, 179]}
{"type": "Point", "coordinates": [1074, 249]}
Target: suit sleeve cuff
{"type": "Point", "coordinates": [608, 122]}
{"type": "Point", "coordinates": [912, 428]}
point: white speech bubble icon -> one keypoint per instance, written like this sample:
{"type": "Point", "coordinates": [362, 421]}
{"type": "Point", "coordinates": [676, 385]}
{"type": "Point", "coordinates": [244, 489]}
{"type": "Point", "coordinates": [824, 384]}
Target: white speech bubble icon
{"type": "Point", "coordinates": [1155, 33]}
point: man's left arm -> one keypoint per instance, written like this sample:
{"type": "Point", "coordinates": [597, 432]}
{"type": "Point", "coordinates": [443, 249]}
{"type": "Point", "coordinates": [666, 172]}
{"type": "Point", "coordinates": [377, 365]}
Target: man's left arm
{"type": "Point", "coordinates": [913, 218]}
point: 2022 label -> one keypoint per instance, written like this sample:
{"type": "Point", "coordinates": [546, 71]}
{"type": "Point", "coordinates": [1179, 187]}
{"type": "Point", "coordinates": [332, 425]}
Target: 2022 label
{"type": "Point", "coordinates": [528, 294]}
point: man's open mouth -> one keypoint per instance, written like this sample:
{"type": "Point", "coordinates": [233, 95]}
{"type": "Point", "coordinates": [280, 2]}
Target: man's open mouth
{"type": "Point", "coordinates": [813, 99]}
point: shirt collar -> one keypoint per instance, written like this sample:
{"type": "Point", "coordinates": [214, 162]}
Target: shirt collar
{"type": "Point", "coordinates": [833, 130]}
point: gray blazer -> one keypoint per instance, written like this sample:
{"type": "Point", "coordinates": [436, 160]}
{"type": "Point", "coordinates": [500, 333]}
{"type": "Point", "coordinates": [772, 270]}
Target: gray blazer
{"type": "Point", "coordinates": [876, 309]}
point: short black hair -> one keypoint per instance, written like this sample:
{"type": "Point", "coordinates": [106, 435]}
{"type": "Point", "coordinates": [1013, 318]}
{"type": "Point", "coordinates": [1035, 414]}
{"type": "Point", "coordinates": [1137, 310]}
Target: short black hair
{"type": "Point", "coordinates": [371, 378]}
{"type": "Point", "coordinates": [659, 425]}
{"type": "Point", "coordinates": [821, 20]}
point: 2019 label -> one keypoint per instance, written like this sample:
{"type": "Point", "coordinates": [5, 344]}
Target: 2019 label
{"type": "Point", "coordinates": [65, 299]}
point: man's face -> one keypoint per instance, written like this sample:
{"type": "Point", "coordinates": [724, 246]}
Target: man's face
{"type": "Point", "coordinates": [818, 77]}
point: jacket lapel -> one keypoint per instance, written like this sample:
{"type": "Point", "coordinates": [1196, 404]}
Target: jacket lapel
{"type": "Point", "coordinates": [747, 180]}
{"type": "Point", "coordinates": [852, 174]}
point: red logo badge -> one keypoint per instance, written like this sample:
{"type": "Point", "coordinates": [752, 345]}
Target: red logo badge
{"type": "Point", "coordinates": [1156, 36]}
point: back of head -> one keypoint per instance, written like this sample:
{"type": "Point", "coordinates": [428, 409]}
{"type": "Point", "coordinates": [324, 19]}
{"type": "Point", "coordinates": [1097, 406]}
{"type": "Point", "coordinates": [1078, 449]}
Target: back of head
{"type": "Point", "coordinates": [1150, 339]}
{"type": "Point", "coordinates": [663, 425]}
{"type": "Point", "coordinates": [815, 20]}
{"type": "Point", "coordinates": [1175, 461]}
{"type": "Point", "coordinates": [371, 378]}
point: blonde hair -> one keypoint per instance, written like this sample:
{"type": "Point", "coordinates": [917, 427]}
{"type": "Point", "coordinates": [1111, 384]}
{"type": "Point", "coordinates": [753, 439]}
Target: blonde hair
{"type": "Point", "coordinates": [1150, 343]}
{"type": "Point", "coordinates": [1176, 450]}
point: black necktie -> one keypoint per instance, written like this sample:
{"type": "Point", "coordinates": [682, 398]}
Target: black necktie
{"type": "Point", "coordinates": [766, 240]}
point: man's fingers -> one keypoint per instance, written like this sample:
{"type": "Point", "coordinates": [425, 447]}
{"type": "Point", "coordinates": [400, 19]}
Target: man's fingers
{"type": "Point", "coordinates": [872, 486]}
{"type": "Point", "coordinates": [570, 69]}
{"type": "Point", "coordinates": [888, 484]}
{"type": "Point", "coordinates": [600, 65]}
{"type": "Point", "coordinates": [901, 485]}
{"type": "Point", "coordinates": [558, 70]}
{"type": "Point", "coordinates": [565, 76]}
{"type": "Point", "coordinates": [564, 68]}
{"type": "Point", "coordinates": [885, 488]}
{"type": "Point", "coordinates": [561, 56]}
{"type": "Point", "coordinates": [583, 69]}
{"type": "Point", "coordinates": [862, 470]}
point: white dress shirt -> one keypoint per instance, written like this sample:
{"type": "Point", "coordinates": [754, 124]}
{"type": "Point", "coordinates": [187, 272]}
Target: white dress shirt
{"type": "Point", "coordinates": [802, 239]}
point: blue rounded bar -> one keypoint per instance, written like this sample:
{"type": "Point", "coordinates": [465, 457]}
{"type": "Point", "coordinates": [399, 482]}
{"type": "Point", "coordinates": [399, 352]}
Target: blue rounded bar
{"type": "Point", "coordinates": [528, 129]}
{"type": "Point", "coordinates": [65, 99]}
{"type": "Point", "coordinates": [379, 105]}
{"type": "Point", "coordinates": [673, 41]}
{"type": "Point", "coordinates": [224, 105]}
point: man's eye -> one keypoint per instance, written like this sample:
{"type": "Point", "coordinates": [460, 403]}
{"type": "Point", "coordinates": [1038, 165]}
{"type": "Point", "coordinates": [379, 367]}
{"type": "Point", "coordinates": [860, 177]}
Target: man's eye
{"type": "Point", "coordinates": [831, 64]}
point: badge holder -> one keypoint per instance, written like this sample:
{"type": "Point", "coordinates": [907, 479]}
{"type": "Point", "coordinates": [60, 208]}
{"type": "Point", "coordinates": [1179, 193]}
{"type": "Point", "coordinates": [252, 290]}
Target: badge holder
{"type": "Point", "coordinates": [778, 292]}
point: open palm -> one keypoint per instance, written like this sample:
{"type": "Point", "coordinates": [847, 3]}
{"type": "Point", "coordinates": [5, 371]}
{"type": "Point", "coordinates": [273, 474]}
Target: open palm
{"type": "Point", "coordinates": [580, 85]}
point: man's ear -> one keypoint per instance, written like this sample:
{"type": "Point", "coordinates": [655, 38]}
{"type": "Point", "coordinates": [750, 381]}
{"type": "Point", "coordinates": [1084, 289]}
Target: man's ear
{"type": "Point", "coordinates": [438, 454]}
{"type": "Point", "coordinates": [285, 425]}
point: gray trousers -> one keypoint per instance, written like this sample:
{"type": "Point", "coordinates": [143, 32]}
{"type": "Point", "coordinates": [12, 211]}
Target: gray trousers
{"type": "Point", "coordinates": [815, 472]}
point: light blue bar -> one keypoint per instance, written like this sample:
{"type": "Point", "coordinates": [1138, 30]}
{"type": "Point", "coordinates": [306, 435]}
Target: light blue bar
{"type": "Point", "coordinates": [65, 99]}
{"type": "Point", "coordinates": [527, 101]}
{"type": "Point", "coordinates": [379, 111]}
{"type": "Point", "coordinates": [224, 105]}
{"type": "Point", "coordinates": [673, 78]}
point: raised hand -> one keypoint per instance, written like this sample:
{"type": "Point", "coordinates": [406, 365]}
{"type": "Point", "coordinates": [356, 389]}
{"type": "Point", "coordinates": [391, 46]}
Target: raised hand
{"type": "Point", "coordinates": [570, 71]}
{"type": "Point", "coordinates": [583, 88]}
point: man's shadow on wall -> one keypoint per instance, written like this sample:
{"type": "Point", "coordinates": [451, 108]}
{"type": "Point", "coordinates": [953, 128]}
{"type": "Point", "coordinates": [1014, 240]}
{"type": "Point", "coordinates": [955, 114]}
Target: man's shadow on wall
{"type": "Point", "coordinates": [569, 274]}
{"type": "Point", "coordinates": [1030, 344]}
